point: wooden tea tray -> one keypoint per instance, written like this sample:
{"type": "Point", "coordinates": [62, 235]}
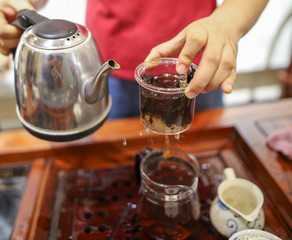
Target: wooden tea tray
{"type": "Point", "coordinates": [64, 196]}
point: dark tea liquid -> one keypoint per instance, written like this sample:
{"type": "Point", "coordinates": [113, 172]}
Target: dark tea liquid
{"type": "Point", "coordinates": [170, 219]}
{"type": "Point", "coordinates": [165, 113]}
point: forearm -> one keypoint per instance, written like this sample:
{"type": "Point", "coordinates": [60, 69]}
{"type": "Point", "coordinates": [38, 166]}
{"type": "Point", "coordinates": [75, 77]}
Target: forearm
{"type": "Point", "coordinates": [240, 15]}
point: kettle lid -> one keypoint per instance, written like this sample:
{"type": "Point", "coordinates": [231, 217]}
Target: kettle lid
{"type": "Point", "coordinates": [41, 32]}
{"type": "Point", "coordinates": [55, 29]}
{"type": "Point", "coordinates": [55, 34]}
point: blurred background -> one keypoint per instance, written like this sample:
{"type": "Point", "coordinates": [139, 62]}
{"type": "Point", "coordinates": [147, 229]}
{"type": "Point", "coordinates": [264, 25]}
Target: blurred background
{"type": "Point", "coordinates": [264, 71]}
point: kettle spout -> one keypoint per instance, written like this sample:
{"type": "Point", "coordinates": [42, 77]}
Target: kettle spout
{"type": "Point", "coordinates": [95, 89]}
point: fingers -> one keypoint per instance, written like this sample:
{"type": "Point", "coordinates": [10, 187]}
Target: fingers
{"type": "Point", "coordinates": [207, 68]}
{"type": "Point", "coordinates": [227, 63]}
{"type": "Point", "coordinates": [169, 48]}
{"type": "Point", "coordinates": [9, 43]}
{"type": "Point", "coordinates": [9, 31]}
{"type": "Point", "coordinates": [4, 64]}
{"type": "Point", "coordinates": [9, 38]}
{"type": "Point", "coordinates": [227, 69]}
{"type": "Point", "coordinates": [9, 35]}
{"type": "Point", "coordinates": [4, 51]}
{"type": "Point", "coordinates": [11, 7]}
{"type": "Point", "coordinates": [187, 44]}
{"type": "Point", "coordinates": [226, 66]}
{"type": "Point", "coordinates": [218, 63]}
{"type": "Point", "coordinates": [227, 84]}
{"type": "Point", "coordinates": [194, 43]}
{"type": "Point", "coordinates": [213, 71]}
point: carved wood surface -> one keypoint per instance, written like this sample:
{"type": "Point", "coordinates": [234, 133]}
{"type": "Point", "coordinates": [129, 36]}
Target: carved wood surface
{"type": "Point", "coordinates": [273, 169]}
{"type": "Point", "coordinates": [218, 138]}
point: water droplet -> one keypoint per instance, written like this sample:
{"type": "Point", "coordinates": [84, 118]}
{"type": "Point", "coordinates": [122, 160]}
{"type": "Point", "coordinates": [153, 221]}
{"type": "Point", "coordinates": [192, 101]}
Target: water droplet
{"type": "Point", "coordinates": [125, 142]}
{"type": "Point", "coordinates": [141, 133]}
{"type": "Point", "coordinates": [133, 206]}
{"type": "Point", "coordinates": [147, 130]}
{"type": "Point", "coordinates": [177, 136]}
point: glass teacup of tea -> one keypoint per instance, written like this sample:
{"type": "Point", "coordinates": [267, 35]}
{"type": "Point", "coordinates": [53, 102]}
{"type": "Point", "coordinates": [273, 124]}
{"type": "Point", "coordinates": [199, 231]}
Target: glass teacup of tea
{"type": "Point", "coordinates": [169, 206]}
{"type": "Point", "coordinates": [164, 107]}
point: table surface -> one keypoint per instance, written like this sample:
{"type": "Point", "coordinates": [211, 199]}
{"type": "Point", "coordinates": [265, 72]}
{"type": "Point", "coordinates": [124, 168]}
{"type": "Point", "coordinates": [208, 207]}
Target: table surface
{"type": "Point", "coordinates": [226, 137]}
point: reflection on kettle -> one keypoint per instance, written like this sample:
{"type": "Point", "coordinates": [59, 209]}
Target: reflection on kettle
{"type": "Point", "coordinates": [52, 71]}
{"type": "Point", "coordinates": [60, 83]}
{"type": "Point", "coordinates": [58, 93]}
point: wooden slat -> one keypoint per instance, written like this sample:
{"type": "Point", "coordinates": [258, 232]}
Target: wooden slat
{"type": "Point", "coordinates": [26, 221]}
{"type": "Point", "coordinates": [225, 137]}
{"type": "Point", "coordinates": [270, 168]}
{"type": "Point", "coordinates": [21, 142]}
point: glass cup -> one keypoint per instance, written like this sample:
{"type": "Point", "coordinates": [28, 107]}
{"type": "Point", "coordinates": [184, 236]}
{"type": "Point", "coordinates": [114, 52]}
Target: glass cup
{"type": "Point", "coordinates": [164, 107]}
{"type": "Point", "coordinates": [168, 204]}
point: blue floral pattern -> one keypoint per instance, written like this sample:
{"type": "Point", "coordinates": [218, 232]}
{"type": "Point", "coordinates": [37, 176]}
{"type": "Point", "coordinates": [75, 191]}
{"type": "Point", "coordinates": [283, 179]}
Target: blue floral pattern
{"type": "Point", "coordinates": [222, 205]}
{"type": "Point", "coordinates": [232, 224]}
{"type": "Point", "coordinates": [252, 225]}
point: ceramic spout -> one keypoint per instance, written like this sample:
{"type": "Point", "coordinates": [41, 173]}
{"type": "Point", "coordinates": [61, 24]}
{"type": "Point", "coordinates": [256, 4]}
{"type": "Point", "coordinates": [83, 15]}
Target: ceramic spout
{"type": "Point", "coordinates": [240, 195]}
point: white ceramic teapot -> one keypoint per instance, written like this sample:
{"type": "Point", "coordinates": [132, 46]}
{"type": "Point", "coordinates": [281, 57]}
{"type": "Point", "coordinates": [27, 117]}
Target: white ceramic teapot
{"type": "Point", "coordinates": [238, 205]}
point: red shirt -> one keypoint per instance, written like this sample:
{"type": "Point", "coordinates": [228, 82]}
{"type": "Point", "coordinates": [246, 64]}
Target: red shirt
{"type": "Point", "coordinates": [126, 30]}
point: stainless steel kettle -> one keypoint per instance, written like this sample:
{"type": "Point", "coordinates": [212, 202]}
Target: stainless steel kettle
{"type": "Point", "coordinates": [61, 86]}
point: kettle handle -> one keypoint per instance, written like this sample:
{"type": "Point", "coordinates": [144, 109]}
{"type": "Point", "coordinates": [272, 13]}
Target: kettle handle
{"type": "Point", "coordinates": [26, 18]}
